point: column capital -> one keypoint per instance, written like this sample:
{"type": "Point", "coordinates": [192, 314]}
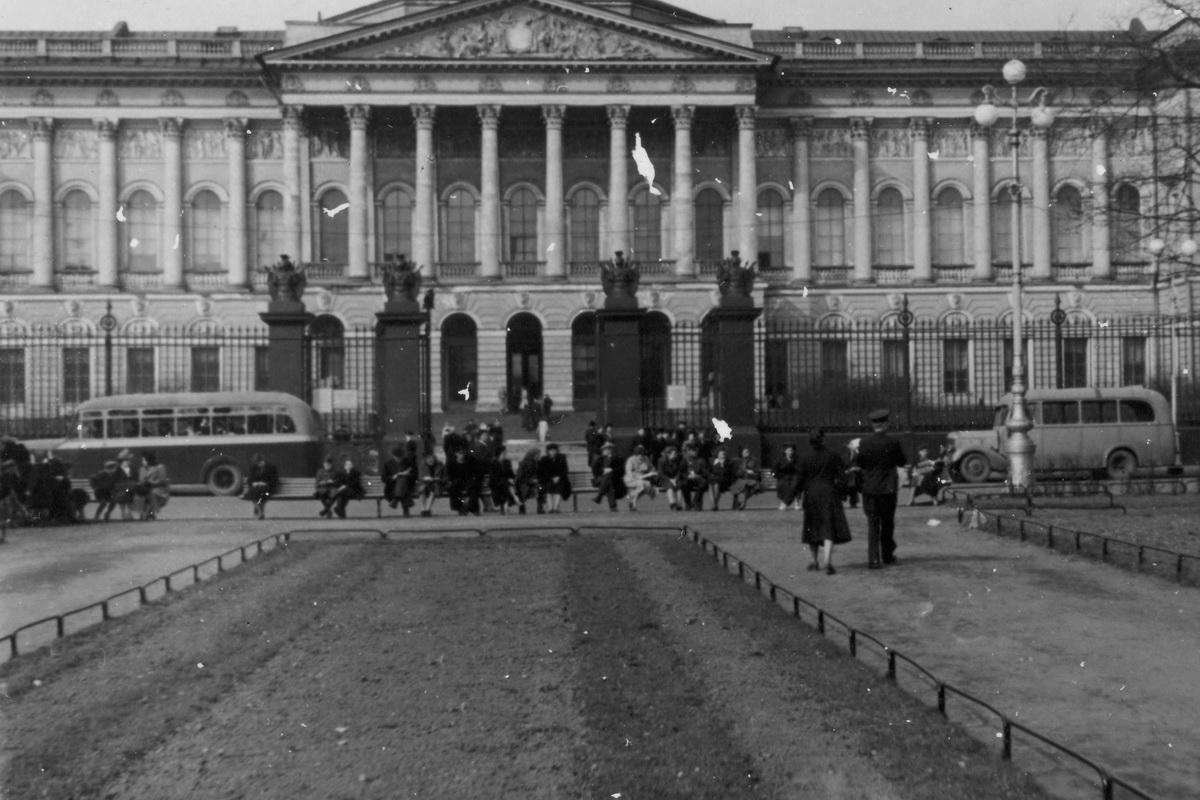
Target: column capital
{"type": "Point", "coordinates": [423, 115]}
{"type": "Point", "coordinates": [235, 128]}
{"type": "Point", "coordinates": [107, 129]}
{"type": "Point", "coordinates": [42, 128]}
{"type": "Point", "coordinates": [358, 115]}
{"type": "Point", "coordinates": [802, 127]}
{"type": "Point", "coordinates": [171, 127]}
{"type": "Point", "coordinates": [745, 116]}
{"type": "Point", "coordinates": [682, 116]}
{"type": "Point", "coordinates": [860, 128]}
{"type": "Point", "coordinates": [293, 116]}
{"type": "Point", "coordinates": [919, 127]}
{"type": "Point", "coordinates": [553, 116]}
{"type": "Point", "coordinates": [617, 116]}
{"type": "Point", "coordinates": [489, 115]}
{"type": "Point", "coordinates": [980, 132]}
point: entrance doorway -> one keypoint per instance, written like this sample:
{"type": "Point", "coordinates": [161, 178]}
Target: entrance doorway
{"type": "Point", "coordinates": [524, 348]}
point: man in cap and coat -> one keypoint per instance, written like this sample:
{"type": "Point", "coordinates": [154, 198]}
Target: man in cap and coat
{"type": "Point", "coordinates": [879, 456]}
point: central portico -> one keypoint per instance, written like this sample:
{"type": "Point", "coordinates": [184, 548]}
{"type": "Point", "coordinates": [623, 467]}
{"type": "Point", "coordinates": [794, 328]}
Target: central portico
{"type": "Point", "coordinates": [468, 107]}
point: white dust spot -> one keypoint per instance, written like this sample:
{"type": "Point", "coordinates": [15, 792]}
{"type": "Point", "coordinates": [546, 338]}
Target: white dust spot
{"type": "Point", "coordinates": [644, 165]}
{"type": "Point", "coordinates": [724, 432]}
{"type": "Point", "coordinates": [333, 212]}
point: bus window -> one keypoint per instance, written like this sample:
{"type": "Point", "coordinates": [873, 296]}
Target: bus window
{"type": "Point", "coordinates": [260, 423]}
{"type": "Point", "coordinates": [123, 427]}
{"type": "Point", "coordinates": [284, 424]}
{"type": "Point", "coordinates": [91, 427]}
{"type": "Point", "coordinates": [220, 425]}
{"type": "Point", "coordinates": [1060, 413]}
{"type": "Point", "coordinates": [1099, 411]}
{"type": "Point", "coordinates": [1136, 411]}
{"type": "Point", "coordinates": [236, 426]}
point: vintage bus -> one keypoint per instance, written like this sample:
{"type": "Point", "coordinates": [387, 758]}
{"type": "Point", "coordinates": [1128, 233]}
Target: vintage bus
{"type": "Point", "coordinates": [202, 437]}
{"type": "Point", "coordinates": [1115, 431]}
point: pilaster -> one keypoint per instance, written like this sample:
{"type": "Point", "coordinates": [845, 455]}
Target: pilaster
{"type": "Point", "coordinates": [556, 238]}
{"type": "Point", "coordinates": [981, 168]}
{"type": "Point", "coordinates": [356, 223]}
{"type": "Point", "coordinates": [618, 180]}
{"type": "Point", "coordinates": [423, 216]}
{"type": "Point", "coordinates": [489, 191]}
{"type": "Point", "coordinates": [683, 210]}
{"type": "Point", "coordinates": [860, 135]}
{"type": "Point", "coordinates": [801, 205]}
{"type": "Point", "coordinates": [1041, 204]}
{"type": "Point", "coordinates": [1101, 231]}
{"type": "Point", "coordinates": [42, 245]}
{"type": "Point", "coordinates": [172, 219]}
{"type": "Point", "coordinates": [747, 196]}
{"type": "Point", "coordinates": [918, 130]}
{"type": "Point", "coordinates": [292, 205]}
{"type": "Point", "coordinates": [235, 257]}
{"type": "Point", "coordinates": [107, 253]}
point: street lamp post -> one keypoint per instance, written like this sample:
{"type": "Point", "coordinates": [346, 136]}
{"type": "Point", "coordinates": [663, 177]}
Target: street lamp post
{"type": "Point", "coordinates": [1020, 447]}
{"type": "Point", "coordinates": [1187, 248]}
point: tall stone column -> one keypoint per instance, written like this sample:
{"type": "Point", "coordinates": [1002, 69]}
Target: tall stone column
{"type": "Point", "coordinates": [1040, 140]}
{"type": "Point", "coordinates": [235, 149]}
{"type": "Point", "coordinates": [918, 130]}
{"type": "Point", "coordinates": [423, 213]}
{"type": "Point", "coordinates": [360, 202]}
{"type": "Point", "coordinates": [292, 207]}
{"type": "Point", "coordinates": [172, 245]}
{"type": "Point", "coordinates": [41, 248]}
{"type": "Point", "coordinates": [489, 191]}
{"type": "Point", "coordinates": [860, 134]}
{"type": "Point", "coordinates": [618, 180]}
{"type": "Point", "coordinates": [1101, 230]}
{"type": "Point", "coordinates": [981, 173]}
{"type": "Point", "coordinates": [107, 253]}
{"type": "Point", "coordinates": [683, 211]}
{"type": "Point", "coordinates": [747, 206]}
{"type": "Point", "coordinates": [556, 229]}
{"type": "Point", "coordinates": [801, 206]}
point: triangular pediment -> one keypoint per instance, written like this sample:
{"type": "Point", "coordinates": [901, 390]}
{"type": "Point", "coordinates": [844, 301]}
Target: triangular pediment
{"type": "Point", "coordinates": [561, 31]}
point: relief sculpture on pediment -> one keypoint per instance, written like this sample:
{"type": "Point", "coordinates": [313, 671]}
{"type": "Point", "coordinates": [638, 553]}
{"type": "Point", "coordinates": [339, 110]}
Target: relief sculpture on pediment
{"type": "Point", "coordinates": [525, 32]}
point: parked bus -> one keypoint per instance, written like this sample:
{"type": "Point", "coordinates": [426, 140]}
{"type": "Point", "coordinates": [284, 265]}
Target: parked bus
{"type": "Point", "coordinates": [201, 437]}
{"type": "Point", "coordinates": [1113, 431]}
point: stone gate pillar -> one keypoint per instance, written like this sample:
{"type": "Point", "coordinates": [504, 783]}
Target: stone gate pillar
{"type": "Point", "coordinates": [401, 390]}
{"type": "Point", "coordinates": [619, 346]}
{"type": "Point", "coordinates": [731, 326]}
{"type": "Point", "coordinates": [286, 357]}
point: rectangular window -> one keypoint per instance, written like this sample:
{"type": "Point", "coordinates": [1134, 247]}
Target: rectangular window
{"type": "Point", "coordinates": [956, 366]}
{"type": "Point", "coordinates": [1074, 362]}
{"type": "Point", "coordinates": [895, 358]}
{"type": "Point", "coordinates": [835, 366]}
{"type": "Point", "coordinates": [584, 365]}
{"type": "Point", "coordinates": [1060, 413]}
{"type": "Point", "coordinates": [262, 368]}
{"type": "Point", "coordinates": [1133, 361]}
{"type": "Point", "coordinates": [775, 371]}
{"type": "Point", "coordinates": [77, 374]}
{"type": "Point", "coordinates": [12, 375]}
{"type": "Point", "coordinates": [139, 370]}
{"type": "Point", "coordinates": [206, 369]}
{"type": "Point", "coordinates": [1099, 412]}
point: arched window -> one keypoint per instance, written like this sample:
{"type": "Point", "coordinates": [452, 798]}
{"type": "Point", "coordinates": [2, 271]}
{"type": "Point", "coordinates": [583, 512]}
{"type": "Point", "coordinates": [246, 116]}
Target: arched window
{"type": "Point", "coordinates": [141, 232]}
{"type": "Point", "coordinates": [1066, 225]}
{"type": "Point", "coordinates": [329, 351]}
{"type": "Point", "coordinates": [460, 356]}
{"type": "Point", "coordinates": [77, 231]}
{"type": "Point", "coordinates": [522, 226]}
{"type": "Point", "coordinates": [889, 228]}
{"type": "Point", "coordinates": [829, 230]}
{"type": "Point", "coordinates": [393, 226]}
{"type": "Point", "coordinates": [1126, 223]}
{"type": "Point", "coordinates": [770, 230]}
{"type": "Point", "coordinates": [206, 243]}
{"type": "Point", "coordinates": [1002, 227]}
{"type": "Point", "coordinates": [584, 360]}
{"type": "Point", "coordinates": [459, 245]}
{"type": "Point", "coordinates": [268, 229]}
{"type": "Point", "coordinates": [14, 232]}
{"type": "Point", "coordinates": [584, 227]}
{"type": "Point", "coordinates": [333, 228]}
{"type": "Point", "coordinates": [948, 246]}
{"type": "Point", "coordinates": [710, 226]}
{"type": "Point", "coordinates": [647, 226]}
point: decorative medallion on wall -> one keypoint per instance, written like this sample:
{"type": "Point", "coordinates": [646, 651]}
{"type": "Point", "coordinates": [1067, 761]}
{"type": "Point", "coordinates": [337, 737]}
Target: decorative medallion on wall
{"type": "Point", "coordinates": [237, 98]}
{"type": "Point", "coordinates": [107, 97]}
{"type": "Point", "coordinates": [172, 98]}
{"type": "Point", "coordinates": [523, 299]}
{"type": "Point", "coordinates": [1074, 299]}
{"type": "Point", "coordinates": [139, 306]}
{"type": "Point", "coordinates": [14, 144]}
{"type": "Point", "coordinates": [7, 307]}
{"type": "Point", "coordinates": [746, 85]}
{"type": "Point", "coordinates": [834, 302]}
{"type": "Point", "coordinates": [425, 84]}
{"type": "Point", "coordinates": [357, 83]}
{"type": "Point", "coordinates": [74, 308]}
{"type": "Point", "coordinates": [554, 85]}
{"type": "Point", "coordinates": [460, 301]}
{"type": "Point", "coordinates": [920, 97]}
{"type": "Point", "coordinates": [954, 300]}
{"type": "Point", "coordinates": [861, 97]}
{"type": "Point", "coordinates": [204, 306]}
{"type": "Point", "coordinates": [292, 83]}
{"type": "Point", "coordinates": [617, 84]}
{"type": "Point", "coordinates": [655, 298]}
{"type": "Point", "coordinates": [42, 98]}
{"type": "Point", "coordinates": [895, 300]}
{"type": "Point", "coordinates": [589, 299]}
{"type": "Point", "coordinates": [683, 85]}
{"type": "Point", "coordinates": [324, 300]}
{"type": "Point", "coordinates": [491, 85]}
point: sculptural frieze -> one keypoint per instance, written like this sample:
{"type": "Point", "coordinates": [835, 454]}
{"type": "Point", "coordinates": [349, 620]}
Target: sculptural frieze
{"type": "Point", "coordinates": [72, 144]}
{"type": "Point", "coordinates": [264, 144]}
{"type": "Point", "coordinates": [528, 33]}
{"type": "Point", "coordinates": [285, 281]}
{"type": "Point", "coordinates": [14, 144]}
{"type": "Point", "coordinates": [891, 143]}
{"type": "Point", "coordinates": [204, 143]}
{"type": "Point", "coordinates": [139, 143]}
{"type": "Point", "coordinates": [830, 143]}
{"type": "Point", "coordinates": [951, 141]}
{"type": "Point", "coordinates": [773, 143]}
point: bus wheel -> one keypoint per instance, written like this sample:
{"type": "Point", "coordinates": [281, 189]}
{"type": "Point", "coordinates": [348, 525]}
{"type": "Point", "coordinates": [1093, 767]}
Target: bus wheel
{"type": "Point", "coordinates": [1120, 465]}
{"type": "Point", "coordinates": [975, 468]}
{"type": "Point", "coordinates": [224, 479]}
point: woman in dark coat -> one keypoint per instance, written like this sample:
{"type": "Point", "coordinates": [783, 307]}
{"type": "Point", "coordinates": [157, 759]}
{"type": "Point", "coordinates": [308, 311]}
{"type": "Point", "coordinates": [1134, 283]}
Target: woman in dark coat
{"type": "Point", "coordinates": [502, 481]}
{"type": "Point", "coordinates": [527, 485]}
{"type": "Point", "coordinates": [786, 477]}
{"type": "Point", "coordinates": [821, 478]}
{"type": "Point", "coordinates": [554, 477]}
{"type": "Point", "coordinates": [262, 481]}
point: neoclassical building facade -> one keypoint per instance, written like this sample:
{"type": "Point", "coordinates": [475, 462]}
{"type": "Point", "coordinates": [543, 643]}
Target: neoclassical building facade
{"type": "Point", "coordinates": [508, 146]}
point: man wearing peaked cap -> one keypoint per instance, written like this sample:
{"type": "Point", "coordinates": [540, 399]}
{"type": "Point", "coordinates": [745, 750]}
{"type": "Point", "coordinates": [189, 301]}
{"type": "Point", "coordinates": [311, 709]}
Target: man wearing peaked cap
{"type": "Point", "coordinates": [879, 456]}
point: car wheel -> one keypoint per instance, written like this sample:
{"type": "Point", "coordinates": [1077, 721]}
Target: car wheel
{"type": "Point", "coordinates": [224, 479]}
{"type": "Point", "coordinates": [1120, 465]}
{"type": "Point", "coordinates": [974, 468]}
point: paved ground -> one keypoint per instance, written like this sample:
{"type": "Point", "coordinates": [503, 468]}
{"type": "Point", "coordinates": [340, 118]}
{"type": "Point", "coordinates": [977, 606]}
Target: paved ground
{"type": "Point", "coordinates": [1098, 658]}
